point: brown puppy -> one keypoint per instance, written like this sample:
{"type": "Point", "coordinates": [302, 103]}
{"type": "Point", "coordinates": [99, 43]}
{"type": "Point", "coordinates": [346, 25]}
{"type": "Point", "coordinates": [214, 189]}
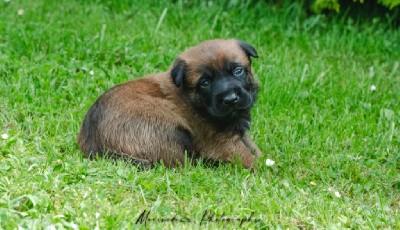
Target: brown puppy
{"type": "Point", "coordinates": [200, 106]}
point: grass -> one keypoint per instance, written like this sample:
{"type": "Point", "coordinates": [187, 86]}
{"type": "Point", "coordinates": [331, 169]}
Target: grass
{"type": "Point", "coordinates": [316, 117]}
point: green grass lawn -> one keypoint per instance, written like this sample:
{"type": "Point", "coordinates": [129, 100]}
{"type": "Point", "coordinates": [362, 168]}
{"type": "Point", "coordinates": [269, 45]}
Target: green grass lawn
{"type": "Point", "coordinates": [335, 140]}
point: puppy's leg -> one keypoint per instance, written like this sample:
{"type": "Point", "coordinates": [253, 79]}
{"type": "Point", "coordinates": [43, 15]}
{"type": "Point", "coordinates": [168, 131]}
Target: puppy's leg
{"type": "Point", "coordinates": [143, 130]}
{"type": "Point", "coordinates": [177, 144]}
{"type": "Point", "coordinates": [237, 150]}
{"type": "Point", "coordinates": [251, 145]}
{"type": "Point", "coordinates": [164, 142]}
{"type": "Point", "coordinates": [229, 149]}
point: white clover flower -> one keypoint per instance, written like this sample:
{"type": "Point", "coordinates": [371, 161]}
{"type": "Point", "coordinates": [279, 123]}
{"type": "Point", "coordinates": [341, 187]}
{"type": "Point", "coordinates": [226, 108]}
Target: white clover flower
{"type": "Point", "coordinates": [51, 227]}
{"type": "Point", "coordinates": [20, 12]}
{"type": "Point", "coordinates": [120, 183]}
{"type": "Point", "coordinates": [59, 161]}
{"type": "Point", "coordinates": [372, 88]}
{"type": "Point", "coordinates": [74, 226]}
{"type": "Point", "coordinates": [313, 183]}
{"type": "Point", "coordinates": [269, 162]}
{"type": "Point", "coordinates": [4, 136]}
{"type": "Point", "coordinates": [337, 194]}
{"type": "Point", "coordinates": [86, 194]}
{"type": "Point", "coordinates": [91, 72]}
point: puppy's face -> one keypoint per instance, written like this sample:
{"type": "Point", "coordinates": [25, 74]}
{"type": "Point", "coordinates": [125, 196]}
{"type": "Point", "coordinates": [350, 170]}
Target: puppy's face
{"type": "Point", "coordinates": [215, 77]}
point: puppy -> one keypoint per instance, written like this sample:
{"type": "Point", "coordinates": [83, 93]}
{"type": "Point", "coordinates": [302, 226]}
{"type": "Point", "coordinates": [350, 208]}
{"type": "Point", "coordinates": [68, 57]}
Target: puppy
{"type": "Point", "coordinates": [200, 106]}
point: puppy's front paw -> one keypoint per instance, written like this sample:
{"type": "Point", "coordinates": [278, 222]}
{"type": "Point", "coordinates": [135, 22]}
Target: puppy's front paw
{"type": "Point", "coordinates": [257, 152]}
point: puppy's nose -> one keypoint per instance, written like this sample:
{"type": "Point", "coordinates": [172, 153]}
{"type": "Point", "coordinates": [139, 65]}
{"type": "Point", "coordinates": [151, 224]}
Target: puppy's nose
{"type": "Point", "coordinates": [231, 99]}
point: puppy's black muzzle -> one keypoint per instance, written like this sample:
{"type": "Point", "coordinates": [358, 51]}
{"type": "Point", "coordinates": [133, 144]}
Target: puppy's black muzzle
{"type": "Point", "coordinates": [233, 98]}
{"type": "Point", "coordinates": [230, 99]}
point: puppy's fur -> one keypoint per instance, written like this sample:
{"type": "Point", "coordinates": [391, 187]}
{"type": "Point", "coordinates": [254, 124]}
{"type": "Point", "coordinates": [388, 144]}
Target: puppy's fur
{"type": "Point", "coordinates": [200, 106]}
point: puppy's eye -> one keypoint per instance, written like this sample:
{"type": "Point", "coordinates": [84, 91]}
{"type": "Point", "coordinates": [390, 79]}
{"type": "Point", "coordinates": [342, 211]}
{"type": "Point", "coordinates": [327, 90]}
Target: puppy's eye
{"type": "Point", "coordinates": [238, 71]}
{"type": "Point", "coordinates": [204, 83]}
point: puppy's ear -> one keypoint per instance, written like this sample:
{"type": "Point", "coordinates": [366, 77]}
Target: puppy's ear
{"type": "Point", "coordinates": [248, 49]}
{"type": "Point", "coordinates": [178, 72]}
